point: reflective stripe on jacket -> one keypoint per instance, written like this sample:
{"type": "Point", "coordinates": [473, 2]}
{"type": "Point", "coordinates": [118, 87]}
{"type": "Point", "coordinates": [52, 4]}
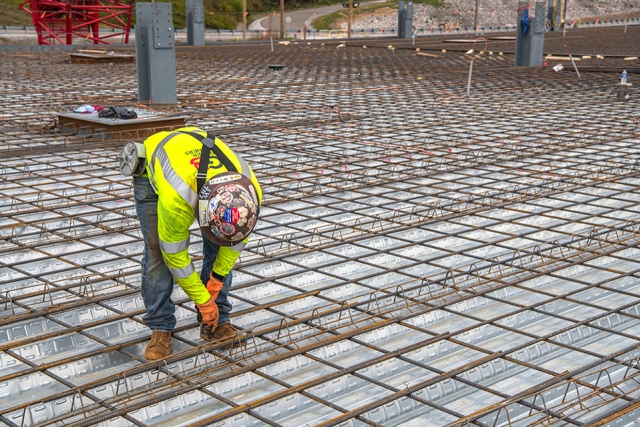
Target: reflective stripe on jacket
{"type": "Point", "coordinates": [172, 165]}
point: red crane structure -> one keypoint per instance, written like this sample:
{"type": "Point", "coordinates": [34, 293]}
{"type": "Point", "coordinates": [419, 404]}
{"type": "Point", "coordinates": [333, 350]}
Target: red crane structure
{"type": "Point", "coordinates": [99, 21]}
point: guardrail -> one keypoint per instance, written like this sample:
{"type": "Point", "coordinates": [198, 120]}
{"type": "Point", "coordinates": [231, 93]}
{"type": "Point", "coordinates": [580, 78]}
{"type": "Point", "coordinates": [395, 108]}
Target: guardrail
{"type": "Point", "coordinates": [13, 29]}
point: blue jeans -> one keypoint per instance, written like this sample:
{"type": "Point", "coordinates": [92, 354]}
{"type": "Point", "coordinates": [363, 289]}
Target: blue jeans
{"type": "Point", "coordinates": [157, 282]}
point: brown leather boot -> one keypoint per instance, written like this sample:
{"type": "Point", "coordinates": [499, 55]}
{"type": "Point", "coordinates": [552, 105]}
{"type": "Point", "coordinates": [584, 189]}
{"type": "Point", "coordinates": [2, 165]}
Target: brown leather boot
{"type": "Point", "coordinates": [160, 346]}
{"type": "Point", "coordinates": [225, 334]}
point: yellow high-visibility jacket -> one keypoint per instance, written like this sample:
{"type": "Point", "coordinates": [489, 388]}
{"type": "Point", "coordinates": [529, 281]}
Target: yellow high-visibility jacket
{"type": "Point", "coordinates": [172, 165]}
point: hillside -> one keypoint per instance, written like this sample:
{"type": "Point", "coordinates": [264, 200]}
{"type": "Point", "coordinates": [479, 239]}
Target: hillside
{"type": "Point", "coordinates": [226, 14]}
{"type": "Point", "coordinates": [222, 14]}
{"type": "Point", "coordinates": [10, 14]}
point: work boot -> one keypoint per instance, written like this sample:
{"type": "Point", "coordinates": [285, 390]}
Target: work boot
{"type": "Point", "coordinates": [224, 333]}
{"type": "Point", "coordinates": [160, 346]}
{"type": "Point", "coordinates": [206, 333]}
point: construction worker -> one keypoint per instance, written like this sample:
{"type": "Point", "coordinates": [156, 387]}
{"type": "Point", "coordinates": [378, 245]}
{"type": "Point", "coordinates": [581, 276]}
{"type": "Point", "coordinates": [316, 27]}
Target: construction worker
{"type": "Point", "coordinates": [179, 177]}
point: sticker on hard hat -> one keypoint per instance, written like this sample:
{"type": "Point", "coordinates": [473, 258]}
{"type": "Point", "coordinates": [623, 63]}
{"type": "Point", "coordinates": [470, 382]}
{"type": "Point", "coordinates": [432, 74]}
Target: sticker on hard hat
{"type": "Point", "coordinates": [226, 198]}
{"type": "Point", "coordinates": [213, 202]}
{"type": "Point", "coordinates": [231, 215]}
{"type": "Point", "coordinates": [224, 178]}
{"type": "Point", "coordinates": [205, 192]}
{"type": "Point", "coordinates": [227, 229]}
{"type": "Point", "coordinates": [250, 223]}
{"type": "Point", "coordinates": [243, 213]}
{"type": "Point", "coordinates": [202, 211]}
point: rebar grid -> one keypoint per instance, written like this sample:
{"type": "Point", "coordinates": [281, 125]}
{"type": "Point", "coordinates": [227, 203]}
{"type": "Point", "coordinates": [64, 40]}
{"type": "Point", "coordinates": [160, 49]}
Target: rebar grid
{"type": "Point", "coordinates": [422, 257]}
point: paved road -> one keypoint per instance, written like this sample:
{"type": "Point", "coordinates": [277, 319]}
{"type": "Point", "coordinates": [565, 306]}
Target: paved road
{"type": "Point", "coordinates": [299, 18]}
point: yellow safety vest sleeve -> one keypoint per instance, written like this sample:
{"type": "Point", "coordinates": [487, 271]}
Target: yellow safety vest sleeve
{"type": "Point", "coordinates": [172, 172]}
{"type": "Point", "coordinates": [227, 257]}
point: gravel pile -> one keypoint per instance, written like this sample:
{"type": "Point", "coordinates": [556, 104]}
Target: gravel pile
{"type": "Point", "coordinates": [492, 13]}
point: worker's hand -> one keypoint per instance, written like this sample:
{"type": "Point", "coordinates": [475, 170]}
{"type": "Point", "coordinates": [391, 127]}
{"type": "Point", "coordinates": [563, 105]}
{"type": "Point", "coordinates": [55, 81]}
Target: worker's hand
{"type": "Point", "coordinates": [214, 286]}
{"type": "Point", "coordinates": [209, 312]}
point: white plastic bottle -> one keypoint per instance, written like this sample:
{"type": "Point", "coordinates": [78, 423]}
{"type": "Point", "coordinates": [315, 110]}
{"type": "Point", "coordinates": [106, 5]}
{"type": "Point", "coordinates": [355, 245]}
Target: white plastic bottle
{"type": "Point", "coordinates": [624, 77]}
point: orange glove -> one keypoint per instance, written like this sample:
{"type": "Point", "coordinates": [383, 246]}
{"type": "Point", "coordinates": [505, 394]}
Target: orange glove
{"type": "Point", "coordinates": [209, 312]}
{"type": "Point", "coordinates": [214, 286]}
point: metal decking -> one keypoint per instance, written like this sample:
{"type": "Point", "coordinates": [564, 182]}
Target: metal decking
{"type": "Point", "coordinates": [423, 258]}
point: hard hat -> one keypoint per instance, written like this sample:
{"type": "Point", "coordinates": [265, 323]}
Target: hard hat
{"type": "Point", "coordinates": [227, 208]}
